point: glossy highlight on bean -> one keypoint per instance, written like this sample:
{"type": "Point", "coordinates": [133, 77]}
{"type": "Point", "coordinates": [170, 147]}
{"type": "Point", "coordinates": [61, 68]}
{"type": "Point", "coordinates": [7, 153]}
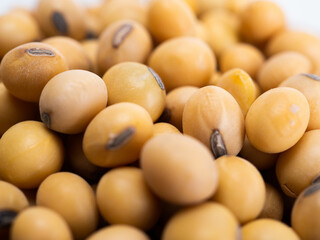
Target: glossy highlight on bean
{"type": "Point", "coordinates": [217, 144]}
{"type": "Point", "coordinates": [59, 23]}
{"type": "Point", "coordinates": [121, 35]}
{"type": "Point", "coordinates": [40, 52]}
{"type": "Point", "coordinates": [121, 139]}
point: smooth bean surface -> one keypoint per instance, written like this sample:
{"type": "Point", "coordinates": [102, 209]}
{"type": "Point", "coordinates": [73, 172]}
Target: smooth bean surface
{"type": "Point", "coordinates": [277, 119]}
{"type": "Point", "coordinates": [167, 160]}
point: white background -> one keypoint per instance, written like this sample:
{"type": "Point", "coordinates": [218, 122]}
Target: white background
{"type": "Point", "coordinates": [301, 14]}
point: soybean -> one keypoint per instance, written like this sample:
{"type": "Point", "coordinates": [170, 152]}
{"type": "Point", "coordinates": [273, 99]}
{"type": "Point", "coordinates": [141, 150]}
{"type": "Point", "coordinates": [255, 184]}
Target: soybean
{"type": "Point", "coordinates": [236, 6]}
{"type": "Point", "coordinates": [116, 135]}
{"type": "Point", "coordinates": [309, 85]}
{"type": "Point", "coordinates": [72, 197]}
{"type": "Point", "coordinates": [203, 222]}
{"type": "Point", "coordinates": [162, 127]}
{"type": "Point", "coordinates": [298, 166]}
{"type": "Point", "coordinates": [241, 86]}
{"type": "Point", "coordinates": [175, 102]}
{"type": "Point", "coordinates": [136, 83]}
{"type": "Point", "coordinates": [243, 56]}
{"type": "Point", "coordinates": [183, 61]}
{"type": "Point", "coordinates": [61, 17]}
{"type": "Point", "coordinates": [170, 19]}
{"type": "Point", "coordinates": [29, 152]}
{"type": "Point", "coordinates": [277, 119]}
{"type": "Point", "coordinates": [12, 198]}
{"type": "Point", "coordinates": [124, 190]}
{"type": "Point", "coordinates": [281, 66]}
{"type": "Point", "coordinates": [23, 29]}
{"type": "Point", "coordinates": [220, 36]}
{"type": "Point", "coordinates": [119, 231]}
{"type": "Point", "coordinates": [268, 229]}
{"type": "Point", "coordinates": [298, 41]}
{"type": "Point", "coordinates": [112, 11]}
{"type": "Point", "coordinates": [37, 223]}
{"type": "Point", "coordinates": [261, 20]}
{"type": "Point", "coordinates": [221, 15]}
{"type": "Point", "coordinates": [214, 117]}
{"type": "Point", "coordinates": [72, 50]}
{"type": "Point", "coordinates": [122, 41]}
{"type": "Point", "coordinates": [26, 69]}
{"type": "Point", "coordinates": [304, 214]}
{"type": "Point", "coordinates": [71, 100]}
{"type": "Point", "coordinates": [260, 160]}
{"type": "Point", "coordinates": [167, 159]}
{"type": "Point", "coordinates": [241, 188]}
{"type": "Point", "coordinates": [90, 46]}
{"type": "Point", "coordinates": [273, 206]}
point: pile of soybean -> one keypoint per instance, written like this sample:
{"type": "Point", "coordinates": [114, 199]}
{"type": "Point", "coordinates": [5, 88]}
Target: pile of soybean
{"type": "Point", "coordinates": [159, 120]}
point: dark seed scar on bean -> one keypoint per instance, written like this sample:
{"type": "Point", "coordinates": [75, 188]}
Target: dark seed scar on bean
{"type": "Point", "coordinates": [121, 34]}
{"type": "Point", "coordinates": [45, 117]}
{"type": "Point", "coordinates": [122, 138]}
{"type": "Point", "coordinates": [157, 77]}
{"type": "Point", "coordinates": [90, 35]}
{"type": "Point", "coordinates": [217, 144]}
{"type": "Point", "coordinates": [312, 189]}
{"type": "Point", "coordinates": [316, 180]}
{"type": "Point", "coordinates": [312, 76]}
{"type": "Point", "coordinates": [40, 52]}
{"type": "Point", "coordinates": [7, 217]}
{"type": "Point", "coordinates": [289, 190]}
{"type": "Point", "coordinates": [59, 22]}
